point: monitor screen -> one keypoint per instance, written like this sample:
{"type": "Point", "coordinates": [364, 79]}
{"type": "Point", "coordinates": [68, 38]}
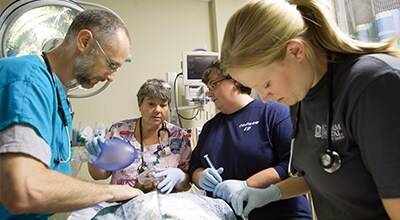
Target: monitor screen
{"type": "Point", "coordinates": [194, 64]}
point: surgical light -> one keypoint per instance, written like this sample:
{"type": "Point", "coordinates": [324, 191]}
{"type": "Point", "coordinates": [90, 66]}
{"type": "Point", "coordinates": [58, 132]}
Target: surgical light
{"type": "Point", "coordinates": [34, 26]}
{"type": "Point", "coordinates": [29, 27]}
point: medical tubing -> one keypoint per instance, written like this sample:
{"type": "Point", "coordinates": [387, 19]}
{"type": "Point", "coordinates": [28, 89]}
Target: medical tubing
{"type": "Point", "coordinates": [143, 166]}
{"type": "Point", "coordinates": [176, 99]}
{"type": "Point", "coordinates": [176, 105]}
{"type": "Point", "coordinates": [61, 113]}
{"type": "Point", "coordinates": [89, 94]}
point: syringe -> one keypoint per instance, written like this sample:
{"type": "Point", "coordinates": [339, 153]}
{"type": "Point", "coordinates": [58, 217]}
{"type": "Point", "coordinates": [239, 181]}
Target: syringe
{"type": "Point", "coordinates": [209, 162]}
{"type": "Point", "coordinates": [212, 167]}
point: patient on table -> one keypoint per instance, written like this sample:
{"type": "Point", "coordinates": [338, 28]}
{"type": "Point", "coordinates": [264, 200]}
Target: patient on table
{"type": "Point", "coordinates": [183, 205]}
{"type": "Point", "coordinates": [191, 205]}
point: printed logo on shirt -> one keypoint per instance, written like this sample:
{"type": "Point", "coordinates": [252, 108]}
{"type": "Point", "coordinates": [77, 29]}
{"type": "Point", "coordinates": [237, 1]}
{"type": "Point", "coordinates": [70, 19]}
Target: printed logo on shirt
{"type": "Point", "coordinates": [247, 126]}
{"type": "Point", "coordinates": [321, 132]}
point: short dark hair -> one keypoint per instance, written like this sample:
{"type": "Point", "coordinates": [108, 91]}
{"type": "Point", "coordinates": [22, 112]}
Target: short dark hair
{"type": "Point", "coordinates": [215, 67]}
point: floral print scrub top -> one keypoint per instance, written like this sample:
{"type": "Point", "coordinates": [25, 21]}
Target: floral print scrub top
{"type": "Point", "coordinates": [178, 158]}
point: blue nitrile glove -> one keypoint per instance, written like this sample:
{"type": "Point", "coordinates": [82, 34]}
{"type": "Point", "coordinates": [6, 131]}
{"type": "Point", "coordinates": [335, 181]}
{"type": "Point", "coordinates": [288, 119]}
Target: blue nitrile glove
{"type": "Point", "coordinates": [172, 176]}
{"type": "Point", "coordinates": [210, 178]}
{"type": "Point", "coordinates": [255, 198]}
{"type": "Point", "coordinates": [225, 189]}
{"type": "Point", "coordinates": [92, 146]}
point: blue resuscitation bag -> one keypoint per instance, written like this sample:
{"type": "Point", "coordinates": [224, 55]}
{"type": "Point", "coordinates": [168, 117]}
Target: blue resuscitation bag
{"type": "Point", "coordinates": [115, 154]}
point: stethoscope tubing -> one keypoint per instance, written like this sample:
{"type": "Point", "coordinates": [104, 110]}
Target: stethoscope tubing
{"type": "Point", "coordinates": [60, 112]}
{"type": "Point", "coordinates": [329, 152]}
{"type": "Point", "coordinates": [142, 167]}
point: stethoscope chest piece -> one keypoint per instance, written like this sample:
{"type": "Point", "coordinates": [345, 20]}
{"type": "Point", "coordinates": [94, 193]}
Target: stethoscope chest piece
{"type": "Point", "coordinates": [330, 161]}
{"type": "Point", "coordinates": [142, 167]}
{"type": "Point", "coordinates": [164, 148]}
{"type": "Point", "coordinates": [165, 151]}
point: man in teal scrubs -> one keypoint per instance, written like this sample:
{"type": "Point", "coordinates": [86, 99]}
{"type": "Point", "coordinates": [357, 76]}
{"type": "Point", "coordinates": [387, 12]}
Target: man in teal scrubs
{"type": "Point", "coordinates": [35, 119]}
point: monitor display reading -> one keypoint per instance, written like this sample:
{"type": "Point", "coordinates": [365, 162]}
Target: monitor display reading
{"type": "Point", "coordinates": [194, 64]}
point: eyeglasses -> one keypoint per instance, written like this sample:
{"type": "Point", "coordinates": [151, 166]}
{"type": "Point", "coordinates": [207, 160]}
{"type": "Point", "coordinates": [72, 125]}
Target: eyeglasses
{"type": "Point", "coordinates": [113, 66]}
{"type": "Point", "coordinates": [211, 85]}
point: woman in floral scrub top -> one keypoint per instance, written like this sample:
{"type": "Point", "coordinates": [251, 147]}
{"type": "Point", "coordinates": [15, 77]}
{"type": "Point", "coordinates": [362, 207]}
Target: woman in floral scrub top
{"type": "Point", "coordinates": [154, 97]}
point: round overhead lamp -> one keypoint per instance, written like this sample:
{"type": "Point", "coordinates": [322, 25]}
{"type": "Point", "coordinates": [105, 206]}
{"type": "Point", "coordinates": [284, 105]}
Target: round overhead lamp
{"type": "Point", "coordinates": [30, 27]}
{"type": "Point", "coordinates": [33, 26]}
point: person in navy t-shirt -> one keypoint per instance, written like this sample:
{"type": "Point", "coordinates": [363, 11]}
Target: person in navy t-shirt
{"type": "Point", "coordinates": [248, 142]}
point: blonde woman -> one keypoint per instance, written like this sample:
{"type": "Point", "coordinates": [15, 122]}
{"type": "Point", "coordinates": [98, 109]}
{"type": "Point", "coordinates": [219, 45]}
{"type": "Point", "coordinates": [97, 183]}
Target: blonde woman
{"type": "Point", "coordinates": [344, 97]}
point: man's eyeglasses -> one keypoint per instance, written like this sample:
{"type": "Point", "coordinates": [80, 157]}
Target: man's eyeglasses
{"type": "Point", "coordinates": [113, 66]}
{"type": "Point", "coordinates": [211, 85]}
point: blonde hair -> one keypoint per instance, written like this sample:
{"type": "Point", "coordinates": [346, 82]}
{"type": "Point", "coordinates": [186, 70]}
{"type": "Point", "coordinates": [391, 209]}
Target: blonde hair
{"type": "Point", "coordinates": [257, 34]}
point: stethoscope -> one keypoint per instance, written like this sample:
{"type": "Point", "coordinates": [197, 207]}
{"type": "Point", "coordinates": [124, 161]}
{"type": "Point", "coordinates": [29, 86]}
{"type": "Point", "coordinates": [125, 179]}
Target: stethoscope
{"type": "Point", "coordinates": [330, 160]}
{"type": "Point", "coordinates": [61, 113]}
{"type": "Point", "coordinates": [164, 149]}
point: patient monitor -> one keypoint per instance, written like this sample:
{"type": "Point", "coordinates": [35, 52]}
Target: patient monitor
{"type": "Point", "coordinates": [193, 65]}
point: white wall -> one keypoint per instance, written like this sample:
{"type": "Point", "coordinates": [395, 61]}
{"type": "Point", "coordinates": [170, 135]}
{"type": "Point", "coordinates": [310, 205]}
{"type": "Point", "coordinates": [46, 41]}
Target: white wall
{"type": "Point", "coordinates": [4, 3]}
{"type": "Point", "coordinates": [160, 31]}
{"type": "Point", "coordinates": [224, 9]}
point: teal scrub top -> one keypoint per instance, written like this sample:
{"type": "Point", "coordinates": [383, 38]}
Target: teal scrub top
{"type": "Point", "coordinates": [28, 96]}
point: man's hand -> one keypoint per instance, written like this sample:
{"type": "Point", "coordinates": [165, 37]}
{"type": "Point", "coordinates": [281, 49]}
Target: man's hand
{"type": "Point", "coordinates": [123, 193]}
